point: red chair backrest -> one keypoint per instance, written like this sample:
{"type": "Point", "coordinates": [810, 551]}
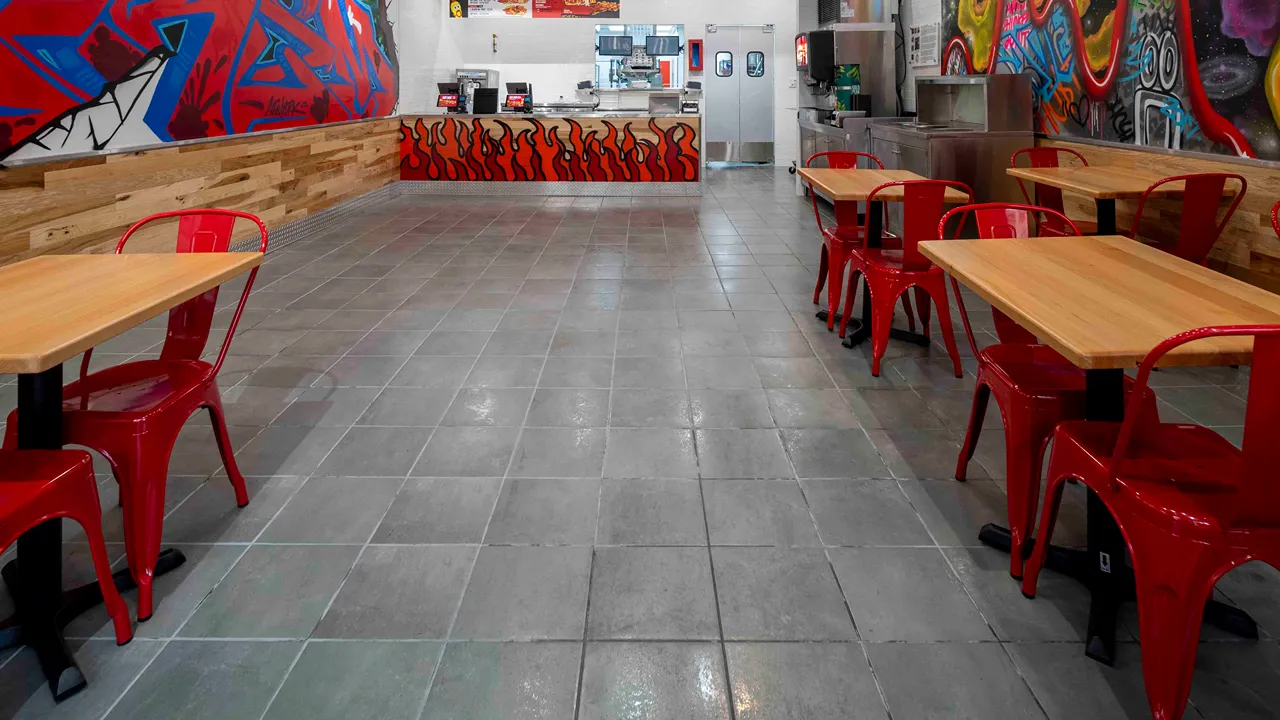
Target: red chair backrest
{"type": "Point", "coordinates": [200, 231]}
{"type": "Point", "coordinates": [1201, 197]}
{"type": "Point", "coordinates": [1257, 497]}
{"type": "Point", "coordinates": [922, 206]}
{"type": "Point", "coordinates": [1047, 196]}
{"type": "Point", "coordinates": [999, 220]}
{"type": "Point", "coordinates": [846, 212]}
{"type": "Point", "coordinates": [1275, 217]}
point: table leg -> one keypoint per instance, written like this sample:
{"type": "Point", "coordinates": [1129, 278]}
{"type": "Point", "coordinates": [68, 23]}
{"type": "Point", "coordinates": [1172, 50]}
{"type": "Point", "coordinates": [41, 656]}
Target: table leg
{"type": "Point", "coordinates": [36, 581]}
{"type": "Point", "coordinates": [1106, 216]}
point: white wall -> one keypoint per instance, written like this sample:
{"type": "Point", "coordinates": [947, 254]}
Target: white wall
{"type": "Point", "coordinates": [555, 55]}
{"type": "Point", "coordinates": [917, 12]}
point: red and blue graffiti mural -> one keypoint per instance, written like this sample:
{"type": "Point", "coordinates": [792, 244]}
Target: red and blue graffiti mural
{"type": "Point", "coordinates": [83, 75]}
{"type": "Point", "coordinates": [1200, 75]}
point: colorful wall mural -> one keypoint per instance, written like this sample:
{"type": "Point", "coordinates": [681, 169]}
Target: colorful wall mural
{"type": "Point", "coordinates": [1199, 75]}
{"type": "Point", "coordinates": [84, 75]}
{"type": "Point", "coordinates": [529, 149]}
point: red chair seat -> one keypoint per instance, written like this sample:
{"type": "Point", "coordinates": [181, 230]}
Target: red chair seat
{"type": "Point", "coordinates": [137, 388]}
{"type": "Point", "coordinates": [1177, 474]}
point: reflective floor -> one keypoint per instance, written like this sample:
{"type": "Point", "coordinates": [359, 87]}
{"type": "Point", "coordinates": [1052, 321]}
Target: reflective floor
{"type": "Point", "coordinates": [595, 458]}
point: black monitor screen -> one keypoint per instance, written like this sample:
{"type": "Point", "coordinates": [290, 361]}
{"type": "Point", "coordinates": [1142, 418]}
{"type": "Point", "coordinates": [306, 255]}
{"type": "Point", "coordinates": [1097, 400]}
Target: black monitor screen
{"type": "Point", "coordinates": [619, 45]}
{"type": "Point", "coordinates": [660, 45]}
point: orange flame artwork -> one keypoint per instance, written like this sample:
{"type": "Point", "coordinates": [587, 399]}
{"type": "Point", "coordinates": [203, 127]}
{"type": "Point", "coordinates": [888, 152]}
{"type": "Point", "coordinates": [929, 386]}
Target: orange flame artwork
{"type": "Point", "coordinates": [529, 149]}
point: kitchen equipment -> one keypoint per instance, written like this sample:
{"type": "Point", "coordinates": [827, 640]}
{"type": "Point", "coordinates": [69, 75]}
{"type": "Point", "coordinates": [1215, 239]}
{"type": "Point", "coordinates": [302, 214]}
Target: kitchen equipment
{"type": "Point", "coordinates": [470, 80]}
{"type": "Point", "coordinates": [855, 62]}
{"type": "Point", "coordinates": [967, 126]}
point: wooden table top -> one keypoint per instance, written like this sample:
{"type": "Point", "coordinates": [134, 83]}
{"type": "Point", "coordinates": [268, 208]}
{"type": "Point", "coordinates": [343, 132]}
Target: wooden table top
{"type": "Point", "coordinates": [856, 185]}
{"type": "Point", "coordinates": [1106, 301]}
{"type": "Point", "coordinates": [1101, 182]}
{"type": "Point", "coordinates": [57, 306]}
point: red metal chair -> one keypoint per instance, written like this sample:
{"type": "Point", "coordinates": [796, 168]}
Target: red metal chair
{"type": "Point", "coordinates": [890, 272]}
{"type": "Point", "coordinates": [839, 243]}
{"type": "Point", "coordinates": [132, 413]}
{"type": "Point", "coordinates": [1191, 506]}
{"type": "Point", "coordinates": [1199, 228]}
{"type": "Point", "coordinates": [1275, 218]}
{"type": "Point", "coordinates": [40, 485]}
{"type": "Point", "coordinates": [1050, 197]}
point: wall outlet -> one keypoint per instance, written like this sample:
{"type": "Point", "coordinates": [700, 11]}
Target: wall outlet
{"type": "Point", "coordinates": [794, 83]}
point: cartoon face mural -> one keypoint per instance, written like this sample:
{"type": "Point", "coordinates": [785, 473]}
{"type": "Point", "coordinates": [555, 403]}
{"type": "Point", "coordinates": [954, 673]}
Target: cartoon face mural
{"type": "Point", "coordinates": [114, 74]}
{"type": "Point", "coordinates": [1201, 75]}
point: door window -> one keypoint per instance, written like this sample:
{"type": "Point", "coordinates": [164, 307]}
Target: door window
{"type": "Point", "coordinates": [724, 64]}
{"type": "Point", "coordinates": [755, 64]}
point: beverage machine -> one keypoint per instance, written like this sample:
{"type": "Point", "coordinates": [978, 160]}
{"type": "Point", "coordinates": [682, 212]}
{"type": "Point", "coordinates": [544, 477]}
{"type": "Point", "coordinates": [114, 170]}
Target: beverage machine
{"type": "Point", "coordinates": [475, 91]}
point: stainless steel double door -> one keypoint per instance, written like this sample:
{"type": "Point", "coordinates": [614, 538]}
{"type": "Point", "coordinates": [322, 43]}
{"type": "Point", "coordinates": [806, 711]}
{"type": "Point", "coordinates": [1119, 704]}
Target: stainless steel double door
{"type": "Point", "coordinates": [739, 90]}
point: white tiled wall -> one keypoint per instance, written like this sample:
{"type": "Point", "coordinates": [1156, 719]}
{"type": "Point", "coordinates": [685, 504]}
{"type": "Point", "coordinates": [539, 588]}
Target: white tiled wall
{"type": "Point", "coordinates": [554, 55]}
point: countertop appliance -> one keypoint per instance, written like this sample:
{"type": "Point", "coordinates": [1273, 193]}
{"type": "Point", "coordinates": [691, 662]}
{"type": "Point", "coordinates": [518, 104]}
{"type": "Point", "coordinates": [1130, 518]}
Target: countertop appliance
{"type": "Point", "coordinates": [967, 128]}
{"type": "Point", "coordinates": [470, 80]}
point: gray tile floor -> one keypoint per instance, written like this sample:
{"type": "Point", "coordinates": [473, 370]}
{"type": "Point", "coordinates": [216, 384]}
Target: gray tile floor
{"type": "Point", "coordinates": [595, 458]}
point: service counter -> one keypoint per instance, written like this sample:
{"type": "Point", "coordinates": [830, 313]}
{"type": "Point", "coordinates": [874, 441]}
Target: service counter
{"type": "Point", "coordinates": [540, 149]}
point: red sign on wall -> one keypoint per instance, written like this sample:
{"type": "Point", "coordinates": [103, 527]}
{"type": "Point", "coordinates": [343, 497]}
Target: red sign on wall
{"type": "Point", "coordinates": [534, 8]}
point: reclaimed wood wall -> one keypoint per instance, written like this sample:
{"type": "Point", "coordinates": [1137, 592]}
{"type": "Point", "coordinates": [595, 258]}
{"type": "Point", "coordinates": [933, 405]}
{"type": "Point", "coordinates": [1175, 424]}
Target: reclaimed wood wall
{"type": "Point", "coordinates": [83, 206]}
{"type": "Point", "coordinates": [1248, 248]}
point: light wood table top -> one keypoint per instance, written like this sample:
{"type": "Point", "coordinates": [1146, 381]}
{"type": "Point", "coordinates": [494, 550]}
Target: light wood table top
{"type": "Point", "coordinates": [1106, 301]}
{"type": "Point", "coordinates": [856, 185]}
{"type": "Point", "coordinates": [57, 306]}
{"type": "Point", "coordinates": [1101, 182]}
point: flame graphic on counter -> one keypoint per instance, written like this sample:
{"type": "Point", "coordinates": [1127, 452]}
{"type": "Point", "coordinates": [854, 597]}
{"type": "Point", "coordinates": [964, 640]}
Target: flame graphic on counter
{"type": "Point", "coordinates": [450, 149]}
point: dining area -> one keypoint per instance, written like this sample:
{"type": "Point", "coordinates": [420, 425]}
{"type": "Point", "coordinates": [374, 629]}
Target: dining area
{"type": "Point", "coordinates": [1085, 321]}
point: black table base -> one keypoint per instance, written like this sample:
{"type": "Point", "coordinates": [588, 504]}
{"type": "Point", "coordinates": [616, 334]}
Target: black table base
{"type": "Point", "coordinates": [1075, 564]}
{"type": "Point", "coordinates": [34, 579]}
{"type": "Point", "coordinates": [44, 634]}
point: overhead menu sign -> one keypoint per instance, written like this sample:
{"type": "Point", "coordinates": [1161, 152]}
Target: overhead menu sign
{"type": "Point", "coordinates": [534, 8]}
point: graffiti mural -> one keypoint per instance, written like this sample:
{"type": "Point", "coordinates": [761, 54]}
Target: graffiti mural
{"type": "Point", "coordinates": [1200, 75]}
{"type": "Point", "coordinates": [528, 149]}
{"type": "Point", "coordinates": [84, 75]}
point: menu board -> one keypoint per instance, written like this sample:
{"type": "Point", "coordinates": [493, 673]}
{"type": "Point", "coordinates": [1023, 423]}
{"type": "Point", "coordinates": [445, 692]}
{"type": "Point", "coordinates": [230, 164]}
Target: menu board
{"type": "Point", "coordinates": [534, 8]}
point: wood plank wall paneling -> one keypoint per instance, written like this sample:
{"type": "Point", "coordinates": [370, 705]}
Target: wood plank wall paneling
{"type": "Point", "coordinates": [1248, 248]}
{"type": "Point", "coordinates": [85, 205]}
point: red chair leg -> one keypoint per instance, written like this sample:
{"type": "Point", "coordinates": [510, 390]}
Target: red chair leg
{"type": "Point", "coordinates": [936, 290]}
{"type": "Point", "coordinates": [910, 311]}
{"type": "Point", "coordinates": [89, 515]}
{"type": "Point", "coordinates": [216, 414]}
{"type": "Point", "coordinates": [1024, 454]}
{"type": "Point", "coordinates": [1048, 518]}
{"type": "Point", "coordinates": [822, 275]}
{"type": "Point", "coordinates": [849, 296]}
{"type": "Point", "coordinates": [923, 309]}
{"type": "Point", "coordinates": [981, 394]}
{"type": "Point", "coordinates": [884, 297]}
{"type": "Point", "coordinates": [1173, 582]}
{"type": "Point", "coordinates": [143, 486]}
{"type": "Point", "coordinates": [835, 283]}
